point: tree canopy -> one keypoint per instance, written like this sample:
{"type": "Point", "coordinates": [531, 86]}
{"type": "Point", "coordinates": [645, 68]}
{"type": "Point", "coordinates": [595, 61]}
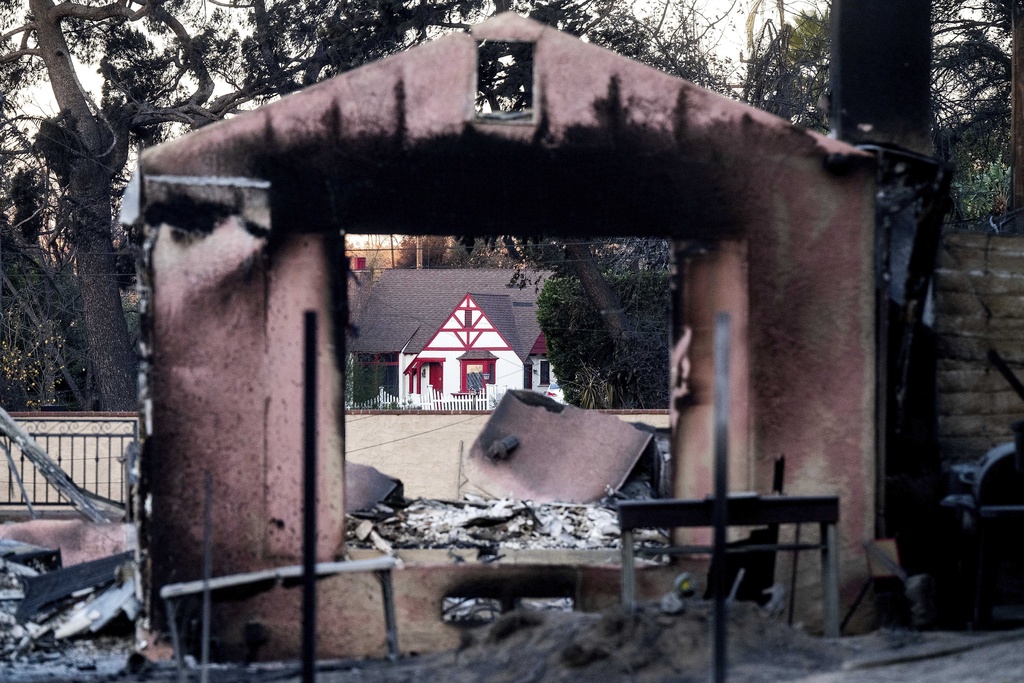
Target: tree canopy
{"type": "Point", "coordinates": [971, 77]}
{"type": "Point", "coordinates": [86, 84]}
{"type": "Point", "coordinates": [123, 74]}
{"type": "Point", "coordinates": [593, 369]}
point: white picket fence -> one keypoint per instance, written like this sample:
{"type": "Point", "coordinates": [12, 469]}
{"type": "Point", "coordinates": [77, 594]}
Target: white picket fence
{"type": "Point", "coordinates": [383, 401]}
{"type": "Point", "coordinates": [436, 400]}
{"type": "Point", "coordinates": [433, 400]}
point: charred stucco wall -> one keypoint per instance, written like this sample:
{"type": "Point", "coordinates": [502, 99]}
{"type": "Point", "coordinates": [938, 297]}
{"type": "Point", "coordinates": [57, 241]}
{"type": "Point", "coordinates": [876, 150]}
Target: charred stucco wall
{"type": "Point", "coordinates": [799, 284]}
{"type": "Point", "coordinates": [351, 615]}
{"type": "Point", "coordinates": [614, 148]}
{"type": "Point", "coordinates": [224, 392]}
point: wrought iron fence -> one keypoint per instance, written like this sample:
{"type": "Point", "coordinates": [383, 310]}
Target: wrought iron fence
{"type": "Point", "coordinates": [91, 450]}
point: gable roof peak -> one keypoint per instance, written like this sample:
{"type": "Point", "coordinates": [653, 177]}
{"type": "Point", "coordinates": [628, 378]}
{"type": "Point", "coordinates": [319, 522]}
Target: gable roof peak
{"type": "Point", "coordinates": [405, 307]}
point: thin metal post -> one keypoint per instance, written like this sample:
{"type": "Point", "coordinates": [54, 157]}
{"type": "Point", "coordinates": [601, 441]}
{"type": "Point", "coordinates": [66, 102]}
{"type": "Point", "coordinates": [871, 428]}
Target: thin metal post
{"type": "Point", "coordinates": [172, 621]}
{"type": "Point", "coordinates": [17, 478]}
{"type": "Point", "coordinates": [628, 572]}
{"type": "Point", "coordinates": [1017, 103]}
{"type": "Point", "coordinates": [309, 501]}
{"type": "Point", "coordinates": [391, 628]}
{"type": "Point", "coordinates": [792, 576]}
{"type": "Point", "coordinates": [204, 674]}
{"type": "Point", "coordinates": [720, 512]}
{"type": "Point", "coordinates": [830, 579]}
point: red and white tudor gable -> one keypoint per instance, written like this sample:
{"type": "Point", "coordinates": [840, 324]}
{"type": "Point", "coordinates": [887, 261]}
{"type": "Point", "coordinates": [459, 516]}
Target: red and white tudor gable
{"type": "Point", "coordinates": [465, 354]}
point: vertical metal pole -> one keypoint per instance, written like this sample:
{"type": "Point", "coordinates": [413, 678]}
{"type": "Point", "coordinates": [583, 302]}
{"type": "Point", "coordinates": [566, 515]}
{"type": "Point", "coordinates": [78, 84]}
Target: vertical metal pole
{"type": "Point", "coordinates": [204, 674]}
{"type": "Point", "coordinates": [883, 245]}
{"type": "Point", "coordinates": [830, 579]}
{"type": "Point", "coordinates": [172, 621]}
{"type": "Point", "coordinates": [309, 501]}
{"type": "Point", "coordinates": [628, 578]}
{"type": "Point", "coordinates": [720, 512]}
{"type": "Point", "coordinates": [391, 628]}
{"type": "Point", "coordinates": [1017, 104]}
{"type": "Point", "coordinates": [792, 576]}
{"type": "Point", "coordinates": [17, 478]}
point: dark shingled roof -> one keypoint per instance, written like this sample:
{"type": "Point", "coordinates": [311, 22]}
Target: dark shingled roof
{"type": "Point", "coordinates": [406, 307]}
{"type": "Point", "coordinates": [498, 309]}
{"type": "Point", "coordinates": [476, 355]}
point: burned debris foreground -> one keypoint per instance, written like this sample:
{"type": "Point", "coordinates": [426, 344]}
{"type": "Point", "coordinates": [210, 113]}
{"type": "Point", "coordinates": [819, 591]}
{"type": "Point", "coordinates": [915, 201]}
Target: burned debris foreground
{"type": "Point", "coordinates": [43, 604]}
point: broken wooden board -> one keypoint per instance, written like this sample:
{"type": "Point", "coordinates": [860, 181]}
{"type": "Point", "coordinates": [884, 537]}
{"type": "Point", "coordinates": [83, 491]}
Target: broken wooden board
{"type": "Point", "coordinates": [48, 588]}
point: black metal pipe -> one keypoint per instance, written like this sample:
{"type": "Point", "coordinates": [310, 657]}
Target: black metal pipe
{"type": "Point", "coordinates": [720, 512]}
{"type": "Point", "coordinates": [204, 675]}
{"type": "Point", "coordinates": [309, 501]}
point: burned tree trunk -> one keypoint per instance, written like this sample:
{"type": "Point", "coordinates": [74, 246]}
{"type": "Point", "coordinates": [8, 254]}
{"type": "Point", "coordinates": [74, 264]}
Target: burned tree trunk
{"type": "Point", "coordinates": [85, 149]}
{"type": "Point", "coordinates": [106, 329]}
{"type": "Point", "coordinates": [607, 303]}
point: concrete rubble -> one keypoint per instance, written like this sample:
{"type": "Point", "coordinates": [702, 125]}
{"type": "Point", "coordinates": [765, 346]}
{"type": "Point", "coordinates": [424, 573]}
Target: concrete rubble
{"type": "Point", "coordinates": [492, 526]}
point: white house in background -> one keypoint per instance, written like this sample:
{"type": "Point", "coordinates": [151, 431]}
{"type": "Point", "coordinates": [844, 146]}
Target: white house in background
{"type": "Point", "coordinates": [456, 332]}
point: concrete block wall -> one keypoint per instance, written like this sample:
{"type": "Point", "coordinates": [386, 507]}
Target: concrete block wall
{"type": "Point", "coordinates": [979, 305]}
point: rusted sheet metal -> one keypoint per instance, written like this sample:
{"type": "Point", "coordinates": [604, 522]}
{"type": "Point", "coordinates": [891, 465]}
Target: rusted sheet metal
{"type": "Point", "coordinates": [569, 456]}
{"type": "Point", "coordinates": [366, 486]}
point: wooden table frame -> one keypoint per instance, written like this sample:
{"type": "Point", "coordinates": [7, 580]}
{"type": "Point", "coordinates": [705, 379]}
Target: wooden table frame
{"type": "Point", "coordinates": [743, 511]}
{"type": "Point", "coordinates": [267, 578]}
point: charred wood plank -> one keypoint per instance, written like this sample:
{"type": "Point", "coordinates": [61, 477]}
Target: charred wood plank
{"type": "Point", "coordinates": [1006, 372]}
{"type": "Point", "coordinates": [49, 588]}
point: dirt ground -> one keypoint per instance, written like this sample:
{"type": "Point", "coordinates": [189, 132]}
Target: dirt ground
{"type": "Point", "coordinates": [524, 646]}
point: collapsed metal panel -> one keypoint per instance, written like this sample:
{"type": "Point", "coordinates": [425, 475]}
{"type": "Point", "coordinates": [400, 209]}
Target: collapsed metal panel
{"type": "Point", "coordinates": [366, 486]}
{"type": "Point", "coordinates": [559, 453]}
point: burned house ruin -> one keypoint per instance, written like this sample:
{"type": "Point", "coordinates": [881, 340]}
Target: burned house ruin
{"type": "Point", "coordinates": [769, 222]}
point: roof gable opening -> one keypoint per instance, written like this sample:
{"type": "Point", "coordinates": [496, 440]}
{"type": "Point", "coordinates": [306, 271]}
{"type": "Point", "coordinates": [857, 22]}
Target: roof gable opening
{"type": "Point", "coordinates": [504, 81]}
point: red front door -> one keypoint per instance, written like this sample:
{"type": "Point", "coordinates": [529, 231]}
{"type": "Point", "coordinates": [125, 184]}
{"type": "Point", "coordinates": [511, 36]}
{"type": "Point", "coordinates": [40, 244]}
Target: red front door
{"type": "Point", "coordinates": [437, 376]}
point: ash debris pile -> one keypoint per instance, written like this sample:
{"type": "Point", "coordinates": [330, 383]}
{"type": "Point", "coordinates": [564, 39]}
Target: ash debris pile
{"type": "Point", "coordinates": [44, 606]}
{"type": "Point", "coordinates": [618, 646]}
{"type": "Point", "coordinates": [502, 524]}
{"type": "Point", "coordinates": [540, 475]}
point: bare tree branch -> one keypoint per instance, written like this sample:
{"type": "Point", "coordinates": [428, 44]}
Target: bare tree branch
{"type": "Point", "coordinates": [99, 12]}
{"type": "Point", "coordinates": [24, 28]}
{"type": "Point", "coordinates": [18, 54]}
{"type": "Point", "coordinates": [192, 57]}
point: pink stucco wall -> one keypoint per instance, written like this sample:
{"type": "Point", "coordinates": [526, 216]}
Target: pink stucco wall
{"type": "Point", "coordinates": [227, 385]}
